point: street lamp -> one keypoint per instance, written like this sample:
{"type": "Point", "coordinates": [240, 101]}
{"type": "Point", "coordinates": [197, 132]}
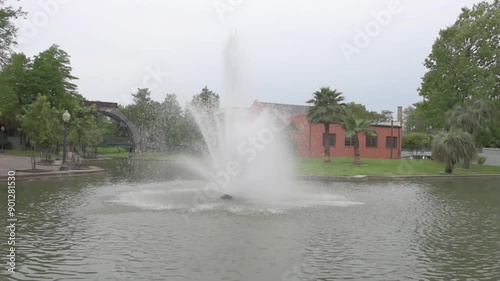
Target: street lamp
{"type": "Point", "coordinates": [3, 130]}
{"type": "Point", "coordinates": [66, 116]}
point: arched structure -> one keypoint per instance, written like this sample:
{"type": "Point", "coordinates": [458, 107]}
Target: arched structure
{"type": "Point", "coordinates": [111, 110]}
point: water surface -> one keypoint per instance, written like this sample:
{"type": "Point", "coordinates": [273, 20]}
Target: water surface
{"type": "Point", "coordinates": [140, 223]}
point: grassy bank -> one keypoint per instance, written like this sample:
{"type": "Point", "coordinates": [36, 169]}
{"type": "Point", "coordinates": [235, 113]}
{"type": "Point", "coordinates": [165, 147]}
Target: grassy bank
{"type": "Point", "coordinates": [26, 153]}
{"type": "Point", "coordinates": [386, 167]}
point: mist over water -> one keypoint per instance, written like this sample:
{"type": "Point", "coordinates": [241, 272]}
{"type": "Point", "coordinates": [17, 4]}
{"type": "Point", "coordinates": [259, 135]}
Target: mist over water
{"type": "Point", "coordinates": [250, 157]}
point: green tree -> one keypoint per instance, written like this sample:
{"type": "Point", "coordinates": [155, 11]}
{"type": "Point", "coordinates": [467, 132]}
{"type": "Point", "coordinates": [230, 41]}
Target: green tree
{"type": "Point", "coordinates": [41, 123]}
{"type": "Point", "coordinates": [327, 108]}
{"type": "Point", "coordinates": [353, 128]}
{"type": "Point", "coordinates": [359, 111]}
{"type": "Point", "coordinates": [414, 122]}
{"type": "Point", "coordinates": [383, 116]}
{"type": "Point", "coordinates": [15, 82]}
{"type": "Point", "coordinates": [463, 63]}
{"type": "Point", "coordinates": [8, 30]}
{"type": "Point", "coordinates": [51, 74]}
{"type": "Point", "coordinates": [83, 129]}
{"type": "Point", "coordinates": [453, 147]}
{"type": "Point", "coordinates": [171, 114]}
{"type": "Point", "coordinates": [416, 143]}
{"type": "Point", "coordinates": [207, 101]}
{"type": "Point", "coordinates": [473, 116]}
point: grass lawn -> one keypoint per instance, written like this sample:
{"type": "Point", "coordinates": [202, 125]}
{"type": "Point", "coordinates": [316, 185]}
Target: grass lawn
{"type": "Point", "coordinates": [386, 167]}
{"type": "Point", "coordinates": [115, 152]}
{"type": "Point", "coordinates": [112, 152]}
{"type": "Point", "coordinates": [26, 153]}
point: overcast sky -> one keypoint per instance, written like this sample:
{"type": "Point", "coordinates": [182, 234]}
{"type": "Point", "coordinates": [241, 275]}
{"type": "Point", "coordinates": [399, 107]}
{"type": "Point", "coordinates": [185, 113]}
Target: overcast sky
{"type": "Point", "coordinates": [278, 51]}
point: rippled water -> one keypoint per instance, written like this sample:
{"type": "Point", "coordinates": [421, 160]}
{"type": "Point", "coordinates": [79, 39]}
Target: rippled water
{"type": "Point", "coordinates": [140, 223]}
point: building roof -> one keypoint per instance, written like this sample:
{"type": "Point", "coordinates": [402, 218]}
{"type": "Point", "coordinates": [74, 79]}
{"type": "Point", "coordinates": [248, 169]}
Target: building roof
{"type": "Point", "coordinates": [298, 110]}
{"type": "Point", "coordinates": [288, 109]}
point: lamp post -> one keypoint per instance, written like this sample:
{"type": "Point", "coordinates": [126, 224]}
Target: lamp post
{"type": "Point", "coordinates": [66, 116]}
{"type": "Point", "coordinates": [3, 130]}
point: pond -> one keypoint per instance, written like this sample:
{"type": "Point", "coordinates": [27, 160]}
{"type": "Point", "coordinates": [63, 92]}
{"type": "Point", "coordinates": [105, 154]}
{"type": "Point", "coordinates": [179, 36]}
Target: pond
{"type": "Point", "coordinates": [140, 222]}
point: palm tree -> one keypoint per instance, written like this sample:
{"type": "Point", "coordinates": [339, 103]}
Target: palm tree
{"type": "Point", "coordinates": [473, 117]}
{"type": "Point", "coordinates": [327, 108]}
{"type": "Point", "coordinates": [453, 147]}
{"type": "Point", "coordinates": [353, 128]}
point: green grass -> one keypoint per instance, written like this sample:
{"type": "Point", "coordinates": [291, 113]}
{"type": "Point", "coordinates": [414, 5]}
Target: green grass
{"type": "Point", "coordinates": [25, 153]}
{"type": "Point", "coordinates": [385, 167]}
{"type": "Point", "coordinates": [112, 152]}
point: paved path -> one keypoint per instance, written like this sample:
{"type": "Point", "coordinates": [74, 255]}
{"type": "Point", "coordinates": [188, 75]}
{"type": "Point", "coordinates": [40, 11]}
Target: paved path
{"type": "Point", "coordinates": [12, 163]}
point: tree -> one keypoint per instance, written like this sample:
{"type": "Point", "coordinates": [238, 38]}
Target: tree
{"type": "Point", "coordinates": [464, 63]}
{"type": "Point", "coordinates": [416, 143]}
{"type": "Point", "coordinates": [413, 121]}
{"type": "Point", "coordinates": [83, 130]}
{"type": "Point", "coordinates": [41, 123]}
{"type": "Point", "coordinates": [51, 75]}
{"type": "Point", "coordinates": [14, 81]}
{"type": "Point", "coordinates": [473, 116]}
{"type": "Point", "coordinates": [353, 128]}
{"type": "Point", "coordinates": [201, 114]}
{"type": "Point", "coordinates": [171, 113]}
{"type": "Point", "coordinates": [327, 108]}
{"type": "Point", "coordinates": [8, 30]}
{"type": "Point", "coordinates": [453, 147]}
{"type": "Point", "coordinates": [359, 111]}
{"type": "Point", "coordinates": [207, 101]}
{"type": "Point", "coordinates": [384, 116]}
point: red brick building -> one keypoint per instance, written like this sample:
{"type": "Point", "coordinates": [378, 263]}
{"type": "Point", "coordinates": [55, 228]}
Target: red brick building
{"type": "Point", "coordinates": [310, 138]}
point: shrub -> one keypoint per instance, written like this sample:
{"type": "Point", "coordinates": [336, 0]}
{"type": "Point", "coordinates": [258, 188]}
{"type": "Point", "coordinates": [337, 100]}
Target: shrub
{"type": "Point", "coordinates": [481, 160]}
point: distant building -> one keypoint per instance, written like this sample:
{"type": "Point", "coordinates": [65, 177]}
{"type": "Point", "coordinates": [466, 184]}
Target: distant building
{"type": "Point", "coordinates": [310, 137]}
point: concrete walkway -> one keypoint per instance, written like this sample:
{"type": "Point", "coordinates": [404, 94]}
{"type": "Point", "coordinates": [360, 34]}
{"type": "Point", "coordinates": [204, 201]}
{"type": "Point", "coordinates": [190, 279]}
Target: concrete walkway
{"type": "Point", "coordinates": [13, 163]}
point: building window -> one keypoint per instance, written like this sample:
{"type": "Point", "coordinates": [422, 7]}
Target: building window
{"type": "Point", "coordinates": [349, 141]}
{"type": "Point", "coordinates": [330, 139]}
{"type": "Point", "coordinates": [371, 141]}
{"type": "Point", "coordinates": [391, 142]}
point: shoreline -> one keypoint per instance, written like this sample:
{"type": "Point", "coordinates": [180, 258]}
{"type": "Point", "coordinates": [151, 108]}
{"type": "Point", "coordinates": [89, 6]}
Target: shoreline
{"type": "Point", "coordinates": [28, 176]}
{"type": "Point", "coordinates": [399, 178]}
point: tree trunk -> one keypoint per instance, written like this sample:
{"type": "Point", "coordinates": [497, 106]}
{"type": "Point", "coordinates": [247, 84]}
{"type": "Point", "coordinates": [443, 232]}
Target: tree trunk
{"type": "Point", "coordinates": [357, 155]}
{"type": "Point", "coordinates": [50, 156]}
{"type": "Point", "coordinates": [326, 144]}
{"type": "Point", "coordinates": [466, 164]}
{"type": "Point", "coordinates": [33, 158]}
{"type": "Point", "coordinates": [449, 168]}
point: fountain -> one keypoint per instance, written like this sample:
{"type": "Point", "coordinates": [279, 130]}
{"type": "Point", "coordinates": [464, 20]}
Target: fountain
{"type": "Point", "coordinates": [249, 156]}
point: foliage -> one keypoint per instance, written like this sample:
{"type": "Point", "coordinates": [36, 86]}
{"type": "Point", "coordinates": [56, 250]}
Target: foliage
{"type": "Point", "coordinates": [453, 147]}
{"type": "Point", "coordinates": [414, 122]}
{"type": "Point", "coordinates": [207, 101]}
{"type": "Point", "coordinates": [327, 108]}
{"type": "Point", "coordinates": [416, 143]}
{"type": "Point", "coordinates": [481, 159]}
{"type": "Point", "coordinates": [41, 123]}
{"type": "Point", "coordinates": [51, 75]}
{"type": "Point", "coordinates": [463, 64]}
{"type": "Point", "coordinates": [353, 128]}
{"type": "Point", "coordinates": [473, 116]}
{"type": "Point", "coordinates": [83, 129]}
{"type": "Point", "coordinates": [14, 81]}
{"type": "Point", "coordinates": [8, 30]}
{"type": "Point", "coordinates": [23, 79]}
